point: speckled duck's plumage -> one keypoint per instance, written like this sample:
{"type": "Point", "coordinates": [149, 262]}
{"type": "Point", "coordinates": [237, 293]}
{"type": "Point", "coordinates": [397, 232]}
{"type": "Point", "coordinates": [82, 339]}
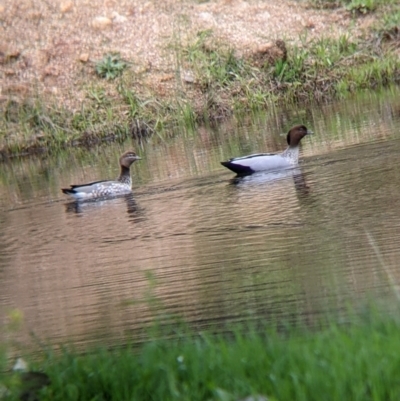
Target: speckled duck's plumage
{"type": "Point", "coordinates": [269, 161]}
{"type": "Point", "coordinates": [107, 188]}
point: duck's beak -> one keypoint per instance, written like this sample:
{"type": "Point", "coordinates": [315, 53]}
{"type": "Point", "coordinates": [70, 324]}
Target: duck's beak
{"type": "Point", "coordinates": [309, 132]}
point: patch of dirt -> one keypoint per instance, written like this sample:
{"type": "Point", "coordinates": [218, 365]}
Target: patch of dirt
{"type": "Point", "coordinates": [47, 48]}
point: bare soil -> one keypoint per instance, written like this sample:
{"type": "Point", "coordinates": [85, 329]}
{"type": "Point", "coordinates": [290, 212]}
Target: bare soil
{"type": "Point", "coordinates": [47, 48]}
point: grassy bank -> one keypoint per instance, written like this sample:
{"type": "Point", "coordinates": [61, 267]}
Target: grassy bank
{"type": "Point", "coordinates": [356, 361]}
{"type": "Point", "coordinates": [210, 81]}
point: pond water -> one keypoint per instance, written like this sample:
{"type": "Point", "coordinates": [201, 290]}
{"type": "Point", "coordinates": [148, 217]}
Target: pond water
{"type": "Point", "coordinates": [193, 243]}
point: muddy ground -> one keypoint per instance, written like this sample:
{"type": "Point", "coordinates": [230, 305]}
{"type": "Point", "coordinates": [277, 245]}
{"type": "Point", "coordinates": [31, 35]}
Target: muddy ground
{"type": "Point", "coordinates": [48, 48]}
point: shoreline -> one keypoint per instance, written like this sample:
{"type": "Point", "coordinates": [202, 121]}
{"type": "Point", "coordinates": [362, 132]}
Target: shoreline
{"type": "Point", "coordinates": [203, 76]}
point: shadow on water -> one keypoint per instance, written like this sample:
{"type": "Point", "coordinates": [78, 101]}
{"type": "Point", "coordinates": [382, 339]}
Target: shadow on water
{"type": "Point", "coordinates": [196, 243]}
{"type": "Point", "coordinates": [79, 208]}
{"type": "Point", "coordinates": [261, 179]}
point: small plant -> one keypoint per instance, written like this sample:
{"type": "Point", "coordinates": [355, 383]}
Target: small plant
{"type": "Point", "coordinates": [392, 20]}
{"type": "Point", "coordinates": [135, 106]}
{"type": "Point", "coordinates": [110, 66]}
{"type": "Point", "coordinates": [293, 69]}
{"type": "Point", "coordinates": [98, 96]}
{"type": "Point", "coordinates": [362, 6]}
{"type": "Point", "coordinates": [215, 65]}
{"type": "Point", "coordinates": [325, 4]}
{"type": "Point", "coordinates": [389, 29]}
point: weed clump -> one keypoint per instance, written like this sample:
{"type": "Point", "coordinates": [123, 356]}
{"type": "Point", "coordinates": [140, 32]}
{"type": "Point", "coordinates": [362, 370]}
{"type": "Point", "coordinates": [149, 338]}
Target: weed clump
{"type": "Point", "coordinates": [110, 66]}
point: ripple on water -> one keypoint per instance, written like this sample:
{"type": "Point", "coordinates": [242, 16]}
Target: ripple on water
{"type": "Point", "coordinates": [195, 242]}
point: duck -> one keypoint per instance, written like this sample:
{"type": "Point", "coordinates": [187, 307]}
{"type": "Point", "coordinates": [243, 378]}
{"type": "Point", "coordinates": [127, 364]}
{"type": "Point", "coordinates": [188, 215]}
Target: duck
{"type": "Point", "coordinates": [258, 162]}
{"type": "Point", "coordinates": [101, 189]}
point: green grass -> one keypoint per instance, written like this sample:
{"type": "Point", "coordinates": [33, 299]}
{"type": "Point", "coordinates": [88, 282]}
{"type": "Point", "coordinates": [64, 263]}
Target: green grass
{"type": "Point", "coordinates": [36, 127]}
{"type": "Point", "coordinates": [352, 361]}
{"type": "Point", "coordinates": [213, 64]}
{"type": "Point", "coordinates": [358, 7]}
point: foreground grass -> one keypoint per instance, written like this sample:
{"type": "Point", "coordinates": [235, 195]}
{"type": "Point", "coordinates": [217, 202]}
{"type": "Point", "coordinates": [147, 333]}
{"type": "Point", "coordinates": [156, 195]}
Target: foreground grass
{"type": "Point", "coordinates": [211, 82]}
{"type": "Point", "coordinates": [357, 361]}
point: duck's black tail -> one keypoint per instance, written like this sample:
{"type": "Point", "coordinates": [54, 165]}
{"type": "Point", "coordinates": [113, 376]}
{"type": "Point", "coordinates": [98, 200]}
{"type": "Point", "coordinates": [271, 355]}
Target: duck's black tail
{"type": "Point", "coordinates": [238, 168]}
{"type": "Point", "coordinates": [68, 191]}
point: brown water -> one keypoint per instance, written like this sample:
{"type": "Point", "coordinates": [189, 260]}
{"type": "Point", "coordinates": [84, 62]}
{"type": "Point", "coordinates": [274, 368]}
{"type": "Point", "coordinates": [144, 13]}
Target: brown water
{"type": "Point", "coordinates": [195, 244]}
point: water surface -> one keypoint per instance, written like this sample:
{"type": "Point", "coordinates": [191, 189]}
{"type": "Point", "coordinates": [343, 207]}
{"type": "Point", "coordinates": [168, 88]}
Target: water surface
{"type": "Point", "coordinates": [194, 243]}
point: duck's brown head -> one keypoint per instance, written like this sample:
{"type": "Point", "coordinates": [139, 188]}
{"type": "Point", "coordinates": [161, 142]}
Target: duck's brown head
{"type": "Point", "coordinates": [296, 134]}
{"type": "Point", "coordinates": [128, 158]}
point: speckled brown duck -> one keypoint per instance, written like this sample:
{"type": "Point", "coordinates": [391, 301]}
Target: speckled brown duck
{"type": "Point", "coordinates": [102, 189]}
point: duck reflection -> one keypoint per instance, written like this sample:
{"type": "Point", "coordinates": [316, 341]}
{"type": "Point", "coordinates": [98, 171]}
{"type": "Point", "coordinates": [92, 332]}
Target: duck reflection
{"type": "Point", "coordinates": [257, 179]}
{"type": "Point", "coordinates": [82, 208]}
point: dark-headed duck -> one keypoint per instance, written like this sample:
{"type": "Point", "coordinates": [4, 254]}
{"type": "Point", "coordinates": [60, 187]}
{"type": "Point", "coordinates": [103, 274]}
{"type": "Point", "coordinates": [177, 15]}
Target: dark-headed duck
{"type": "Point", "coordinates": [268, 161]}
